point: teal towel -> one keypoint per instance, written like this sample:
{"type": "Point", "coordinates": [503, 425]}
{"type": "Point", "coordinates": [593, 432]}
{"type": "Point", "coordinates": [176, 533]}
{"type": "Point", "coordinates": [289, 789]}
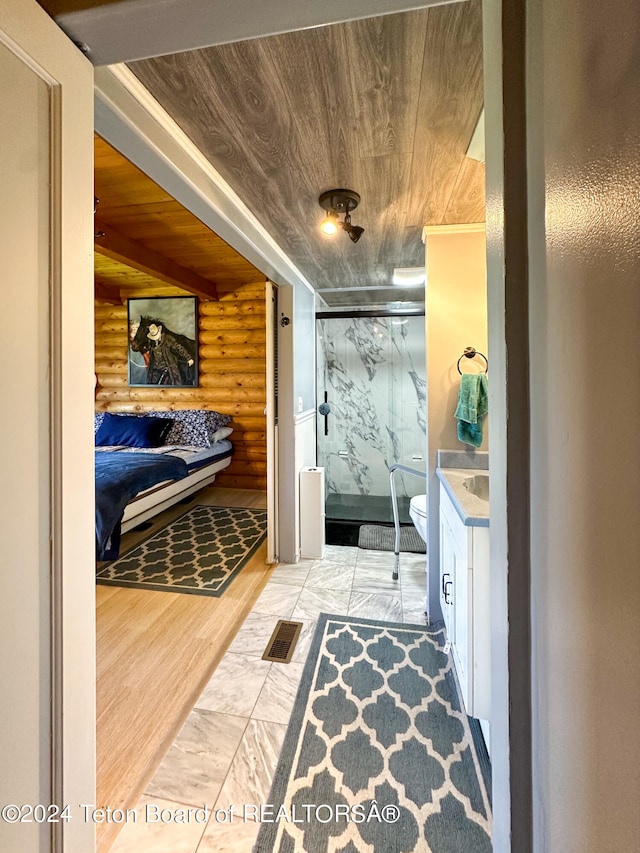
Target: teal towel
{"type": "Point", "coordinates": [473, 404]}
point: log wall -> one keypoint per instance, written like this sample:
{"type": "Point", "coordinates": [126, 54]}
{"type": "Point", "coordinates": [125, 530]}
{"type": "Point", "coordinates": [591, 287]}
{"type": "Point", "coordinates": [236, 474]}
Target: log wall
{"type": "Point", "coordinates": [232, 363]}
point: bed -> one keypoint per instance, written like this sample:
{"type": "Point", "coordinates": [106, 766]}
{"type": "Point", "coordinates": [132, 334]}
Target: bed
{"type": "Point", "coordinates": [136, 480]}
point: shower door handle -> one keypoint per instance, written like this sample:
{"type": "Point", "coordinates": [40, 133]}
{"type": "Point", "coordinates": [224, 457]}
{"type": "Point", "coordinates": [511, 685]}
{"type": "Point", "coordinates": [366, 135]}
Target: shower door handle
{"type": "Point", "coordinates": [325, 409]}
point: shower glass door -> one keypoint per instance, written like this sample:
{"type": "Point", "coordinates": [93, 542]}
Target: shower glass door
{"type": "Point", "coordinates": [372, 382]}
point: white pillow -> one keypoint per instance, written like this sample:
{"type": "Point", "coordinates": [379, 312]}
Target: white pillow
{"type": "Point", "coordinates": [219, 434]}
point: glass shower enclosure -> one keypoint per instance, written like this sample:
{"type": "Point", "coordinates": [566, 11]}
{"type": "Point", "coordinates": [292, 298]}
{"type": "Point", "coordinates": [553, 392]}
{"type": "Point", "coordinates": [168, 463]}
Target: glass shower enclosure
{"type": "Point", "coordinates": [372, 413]}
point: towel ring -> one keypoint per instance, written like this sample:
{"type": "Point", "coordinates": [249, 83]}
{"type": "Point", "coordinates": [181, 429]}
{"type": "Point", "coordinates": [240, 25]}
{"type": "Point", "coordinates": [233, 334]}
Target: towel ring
{"type": "Point", "coordinates": [470, 352]}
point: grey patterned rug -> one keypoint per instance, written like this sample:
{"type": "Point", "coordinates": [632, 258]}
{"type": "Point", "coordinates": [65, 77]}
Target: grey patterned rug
{"type": "Point", "coordinates": [378, 756]}
{"type": "Point", "coordinates": [199, 553]}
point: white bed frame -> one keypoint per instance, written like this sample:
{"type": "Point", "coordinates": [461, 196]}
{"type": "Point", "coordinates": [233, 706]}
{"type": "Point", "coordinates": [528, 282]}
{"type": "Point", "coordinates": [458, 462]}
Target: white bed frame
{"type": "Point", "coordinates": [152, 501]}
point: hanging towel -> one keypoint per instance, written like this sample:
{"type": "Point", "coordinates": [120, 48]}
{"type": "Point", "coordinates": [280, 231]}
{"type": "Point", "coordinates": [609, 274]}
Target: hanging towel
{"type": "Point", "coordinates": [473, 404]}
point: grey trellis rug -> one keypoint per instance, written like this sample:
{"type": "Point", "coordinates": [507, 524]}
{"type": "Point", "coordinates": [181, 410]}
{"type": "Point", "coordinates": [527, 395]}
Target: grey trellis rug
{"type": "Point", "coordinates": [378, 756]}
{"type": "Point", "coordinates": [199, 553]}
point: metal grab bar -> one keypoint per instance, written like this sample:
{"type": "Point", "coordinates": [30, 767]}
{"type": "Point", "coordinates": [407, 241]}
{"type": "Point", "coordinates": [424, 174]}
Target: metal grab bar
{"type": "Point", "coordinates": [394, 505]}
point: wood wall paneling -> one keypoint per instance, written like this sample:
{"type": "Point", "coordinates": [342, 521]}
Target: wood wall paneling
{"type": "Point", "coordinates": [232, 349]}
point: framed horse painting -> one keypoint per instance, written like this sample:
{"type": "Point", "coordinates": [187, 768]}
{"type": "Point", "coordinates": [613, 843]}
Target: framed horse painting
{"type": "Point", "coordinates": [163, 341]}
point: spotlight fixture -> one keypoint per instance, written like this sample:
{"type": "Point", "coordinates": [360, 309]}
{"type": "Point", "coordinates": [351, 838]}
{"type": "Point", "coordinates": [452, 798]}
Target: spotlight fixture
{"type": "Point", "coordinates": [329, 224]}
{"type": "Point", "coordinates": [336, 203]}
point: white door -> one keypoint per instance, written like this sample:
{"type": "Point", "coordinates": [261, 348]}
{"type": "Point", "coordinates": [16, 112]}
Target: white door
{"type": "Point", "coordinates": [47, 586]}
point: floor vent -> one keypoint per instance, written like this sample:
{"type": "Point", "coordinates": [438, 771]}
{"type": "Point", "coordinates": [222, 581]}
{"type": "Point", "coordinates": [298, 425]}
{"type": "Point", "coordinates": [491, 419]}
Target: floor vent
{"type": "Point", "coordinates": [283, 641]}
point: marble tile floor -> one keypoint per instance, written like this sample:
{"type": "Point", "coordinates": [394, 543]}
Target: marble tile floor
{"type": "Point", "coordinates": [227, 751]}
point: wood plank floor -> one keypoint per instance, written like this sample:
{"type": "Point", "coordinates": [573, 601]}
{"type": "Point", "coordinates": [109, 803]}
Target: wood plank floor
{"type": "Point", "coordinates": [155, 653]}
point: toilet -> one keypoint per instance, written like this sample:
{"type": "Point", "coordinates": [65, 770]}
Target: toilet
{"type": "Point", "coordinates": [418, 513]}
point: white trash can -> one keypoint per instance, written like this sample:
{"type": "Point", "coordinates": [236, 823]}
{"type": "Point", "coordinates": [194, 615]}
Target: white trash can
{"type": "Point", "coordinates": [312, 531]}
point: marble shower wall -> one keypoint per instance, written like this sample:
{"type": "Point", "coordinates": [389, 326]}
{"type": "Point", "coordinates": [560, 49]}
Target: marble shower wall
{"type": "Point", "coordinates": [373, 370]}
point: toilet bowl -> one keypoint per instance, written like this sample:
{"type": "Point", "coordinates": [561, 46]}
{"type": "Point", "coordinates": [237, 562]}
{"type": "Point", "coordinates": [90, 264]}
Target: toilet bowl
{"type": "Point", "coordinates": [418, 513]}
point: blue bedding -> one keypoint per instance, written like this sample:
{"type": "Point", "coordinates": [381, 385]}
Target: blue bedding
{"type": "Point", "coordinates": [119, 478]}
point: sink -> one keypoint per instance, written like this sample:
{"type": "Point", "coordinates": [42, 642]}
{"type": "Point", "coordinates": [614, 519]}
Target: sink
{"type": "Point", "coordinates": [478, 485]}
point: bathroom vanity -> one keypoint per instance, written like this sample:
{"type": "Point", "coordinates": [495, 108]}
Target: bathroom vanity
{"type": "Point", "coordinates": [464, 581]}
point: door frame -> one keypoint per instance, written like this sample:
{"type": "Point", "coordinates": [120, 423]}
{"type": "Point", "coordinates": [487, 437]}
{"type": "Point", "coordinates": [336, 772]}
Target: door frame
{"type": "Point", "coordinates": [25, 23]}
{"type": "Point", "coordinates": [508, 151]}
{"type": "Point", "coordinates": [134, 123]}
{"type": "Point", "coordinates": [51, 715]}
{"type": "Point", "coordinates": [271, 306]}
{"type": "Point", "coordinates": [288, 514]}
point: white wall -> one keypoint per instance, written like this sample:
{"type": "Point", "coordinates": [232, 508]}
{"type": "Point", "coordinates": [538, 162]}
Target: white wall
{"type": "Point", "coordinates": [584, 300]}
{"type": "Point", "coordinates": [563, 194]}
{"type": "Point", "coordinates": [507, 276]}
{"type": "Point", "coordinates": [25, 523]}
{"type": "Point", "coordinates": [304, 344]}
{"type": "Point", "coordinates": [296, 430]}
{"type": "Point", "coordinates": [456, 317]}
{"type": "Point", "coordinates": [47, 583]}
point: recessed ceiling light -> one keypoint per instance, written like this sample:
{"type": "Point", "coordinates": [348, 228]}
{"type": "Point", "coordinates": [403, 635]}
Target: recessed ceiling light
{"type": "Point", "coordinates": [409, 276]}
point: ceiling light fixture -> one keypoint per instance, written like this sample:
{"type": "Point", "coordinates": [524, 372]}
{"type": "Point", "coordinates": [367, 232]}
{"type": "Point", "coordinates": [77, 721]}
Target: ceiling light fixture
{"type": "Point", "coordinates": [409, 276]}
{"type": "Point", "coordinates": [336, 203]}
{"type": "Point", "coordinates": [329, 224]}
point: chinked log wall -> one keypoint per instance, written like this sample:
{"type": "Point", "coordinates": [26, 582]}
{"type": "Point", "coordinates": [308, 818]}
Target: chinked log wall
{"type": "Point", "coordinates": [232, 347]}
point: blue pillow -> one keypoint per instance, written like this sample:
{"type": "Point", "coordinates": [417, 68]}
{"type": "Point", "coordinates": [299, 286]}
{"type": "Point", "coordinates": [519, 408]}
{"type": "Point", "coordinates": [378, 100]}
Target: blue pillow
{"type": "Point", "coordinates": [132, 431]}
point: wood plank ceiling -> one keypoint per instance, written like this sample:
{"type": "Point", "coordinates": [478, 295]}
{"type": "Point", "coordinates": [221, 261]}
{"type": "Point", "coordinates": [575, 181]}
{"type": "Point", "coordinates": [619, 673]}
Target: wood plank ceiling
{"type": "Point", "coordinates": [385, 106]}
{"type": "Point", "coordinates": [151, 241]}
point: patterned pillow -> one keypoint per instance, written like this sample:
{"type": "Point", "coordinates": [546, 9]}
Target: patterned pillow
{"type": "Point", "coordinates": [193, 427]}
{"type": "Point", "coordinates": [97, 420]}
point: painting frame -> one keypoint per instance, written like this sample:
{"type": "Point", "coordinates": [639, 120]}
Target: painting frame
{"type": "Point", "coordinates": [162, 342]}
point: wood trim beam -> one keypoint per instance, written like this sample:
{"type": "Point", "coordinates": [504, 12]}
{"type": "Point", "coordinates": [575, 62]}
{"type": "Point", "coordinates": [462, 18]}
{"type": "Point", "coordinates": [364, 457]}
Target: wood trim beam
{"type": "Point", "coordinates": [112, 244]}
{"type": "Point", "coordinates": [107, 292]}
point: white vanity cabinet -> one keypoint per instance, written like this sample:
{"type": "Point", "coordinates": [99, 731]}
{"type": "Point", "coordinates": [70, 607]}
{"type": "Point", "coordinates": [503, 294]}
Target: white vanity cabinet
{"type": "Point", "coordinates": [465, 602]}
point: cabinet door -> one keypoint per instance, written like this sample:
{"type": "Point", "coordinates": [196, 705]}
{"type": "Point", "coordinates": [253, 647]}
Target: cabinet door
{"type": "Point", "coordinates": [456, 585]}
{"type": "Point", "coordinates": [461, 618]}
{"type": "Point", "coordinates": [446, 577]}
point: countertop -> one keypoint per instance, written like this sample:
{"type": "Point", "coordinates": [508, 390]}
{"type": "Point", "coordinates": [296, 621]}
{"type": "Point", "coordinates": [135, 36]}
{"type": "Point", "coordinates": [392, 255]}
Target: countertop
{"type": "Point", "coordinates": [473, 511]}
